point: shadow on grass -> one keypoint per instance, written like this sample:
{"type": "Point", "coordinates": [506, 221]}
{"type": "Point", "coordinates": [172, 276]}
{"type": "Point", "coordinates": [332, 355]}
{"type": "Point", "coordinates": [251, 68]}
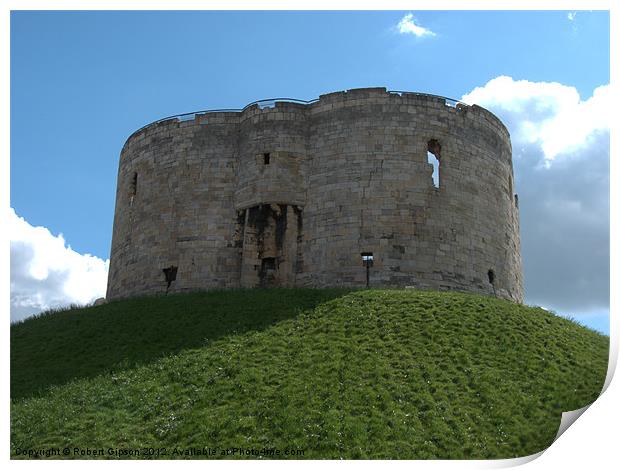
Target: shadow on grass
{"type": "Point", "coordinates": [57, 348]}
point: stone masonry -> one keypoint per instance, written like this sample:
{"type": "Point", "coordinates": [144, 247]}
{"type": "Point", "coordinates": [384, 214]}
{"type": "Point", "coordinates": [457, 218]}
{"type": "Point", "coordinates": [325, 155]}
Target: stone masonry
{"type": "Point", "coordinates": [293, 193]}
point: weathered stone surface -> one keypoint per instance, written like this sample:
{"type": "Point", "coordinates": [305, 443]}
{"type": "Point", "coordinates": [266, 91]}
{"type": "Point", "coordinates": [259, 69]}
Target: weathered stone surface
{"type": "Point", "coordinates": [292, 195]}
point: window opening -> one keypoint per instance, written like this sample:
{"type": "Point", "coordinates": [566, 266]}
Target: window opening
{"type": "Point", "coordinates": [268, 264]}
{"type": "Point", "coordinates": [134, 185]}
{"type": "Point", "coordinates": [266, 158]}
{"type": "Point", "coordinates": [433, 154]}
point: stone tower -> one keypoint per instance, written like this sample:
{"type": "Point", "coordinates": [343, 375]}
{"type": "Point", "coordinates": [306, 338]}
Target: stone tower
{"type": "Point", "coordinates": [291, 193]}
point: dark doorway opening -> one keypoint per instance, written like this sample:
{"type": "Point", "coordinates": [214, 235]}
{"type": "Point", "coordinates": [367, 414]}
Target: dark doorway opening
{"type": "Point", "coordinates": [170, 273]}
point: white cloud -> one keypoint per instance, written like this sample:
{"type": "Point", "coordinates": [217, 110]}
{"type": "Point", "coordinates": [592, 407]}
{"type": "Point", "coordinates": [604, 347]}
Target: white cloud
{"type": "Point", "coordinates": [561, 161]}
{"type": "Point", "coordinates": [549, 114]}
{"type": "Point", "coordinates": [407, 25]}
{"type": "Point", "coordinates": [47, 274]}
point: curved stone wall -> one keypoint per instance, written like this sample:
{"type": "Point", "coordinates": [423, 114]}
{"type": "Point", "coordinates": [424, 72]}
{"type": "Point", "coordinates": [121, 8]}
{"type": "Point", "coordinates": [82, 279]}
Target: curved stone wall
{"type": "Point", "coordinates": [293, 194]}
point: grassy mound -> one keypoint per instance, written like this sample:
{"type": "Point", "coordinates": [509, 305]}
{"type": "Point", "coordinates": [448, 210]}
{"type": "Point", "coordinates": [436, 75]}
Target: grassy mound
{"type": "Point", "coordinates": [332, 373]}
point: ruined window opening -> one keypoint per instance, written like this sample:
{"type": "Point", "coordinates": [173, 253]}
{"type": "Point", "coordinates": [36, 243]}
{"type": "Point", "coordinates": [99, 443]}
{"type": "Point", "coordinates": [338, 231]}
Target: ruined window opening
{"type": "Point", "coordinates": [517, 200]}
{"type": "Point", "coordinates": [134, 185]}
{"type": "Point", "coordinates": [433, 154]}
{"type": "Point", "coordinates": [266, 157]}
{"type": "Point", "coordinates": [170, 274]}
{"type": "Point", "coordinates": [491, 275]}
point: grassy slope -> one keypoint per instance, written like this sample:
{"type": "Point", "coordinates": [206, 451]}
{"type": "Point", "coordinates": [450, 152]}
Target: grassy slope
{"type": "Point", "coordinates": [366, 374]}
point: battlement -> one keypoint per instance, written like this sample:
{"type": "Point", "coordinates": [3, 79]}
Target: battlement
{"type": "Point", "coordinates": [353, 96]}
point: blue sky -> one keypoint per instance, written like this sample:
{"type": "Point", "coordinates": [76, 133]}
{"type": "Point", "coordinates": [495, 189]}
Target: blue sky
{"type": "Point", "coordinates": [82, 82]}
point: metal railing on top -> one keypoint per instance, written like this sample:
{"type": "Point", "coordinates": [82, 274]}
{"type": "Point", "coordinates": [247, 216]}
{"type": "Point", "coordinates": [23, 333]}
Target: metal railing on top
{"type": "Point", "coordinates": [449, 101]}
{"type": "Point", "coordinates": [271, 102]}
{"type": "Point", "coordinates": [268, 103]}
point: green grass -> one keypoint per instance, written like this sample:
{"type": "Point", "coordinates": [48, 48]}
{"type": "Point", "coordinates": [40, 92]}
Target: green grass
{"type": "Point", "coordinates": [335, 373]}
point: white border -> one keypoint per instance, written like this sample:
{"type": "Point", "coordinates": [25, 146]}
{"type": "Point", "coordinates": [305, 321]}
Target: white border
{"type": "Point", "coordinates": [591, 442]}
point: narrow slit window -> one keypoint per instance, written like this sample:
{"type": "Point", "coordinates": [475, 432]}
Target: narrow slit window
{"type": "Point", "coordinates": [491, 275]}
{"type": "Point", "coordinates": [266, 158]}
{"type": "Point", "coordinates": [134, 185]}
{"type": "Point", "coordinates": [433, 155]}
